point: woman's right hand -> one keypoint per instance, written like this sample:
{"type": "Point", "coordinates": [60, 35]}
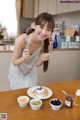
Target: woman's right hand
{"type": "Point", "coordinates": [25, 54]}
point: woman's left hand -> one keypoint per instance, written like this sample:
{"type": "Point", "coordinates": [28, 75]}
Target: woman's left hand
{"type": "Point", "coordinates": [45, 56]}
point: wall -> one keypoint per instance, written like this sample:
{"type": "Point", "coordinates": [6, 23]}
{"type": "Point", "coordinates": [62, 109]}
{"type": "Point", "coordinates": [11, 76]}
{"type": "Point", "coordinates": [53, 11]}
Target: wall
{"type": "Point", "coordinates": [25, 23]}
{"type": "Point", "coordinates": [63, 65]}
{"type": "Point", "coordinates": [72, 18]}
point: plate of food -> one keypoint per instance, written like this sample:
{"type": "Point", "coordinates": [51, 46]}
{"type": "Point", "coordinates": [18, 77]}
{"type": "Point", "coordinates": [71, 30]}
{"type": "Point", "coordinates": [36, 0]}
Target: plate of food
{"type": "Point", "coordinates": [41, 92]}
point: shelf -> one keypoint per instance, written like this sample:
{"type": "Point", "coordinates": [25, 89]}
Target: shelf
{"type": "Point", "coordinates": [8, 41]}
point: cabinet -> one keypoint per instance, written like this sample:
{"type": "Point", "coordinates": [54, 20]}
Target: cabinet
{"type": "Point", "coordinates": [47, 6]}
{"type": "Point", "coordinates": [29, 8]}
{"type": "Point", "coordinates": [61, 7]}
{"type": "Point", "coordinates": [67, 7]}
{"type": "Point", "coordinates": [52, 6]}
{"type": "Point", "coordinates": [35, 13]}
{"type": "Point", "coordinates": [74, 7]}
{"type": "Point", "coordinates": [5, 60]}
{"type": "Point", "coordinates": [43, 6]}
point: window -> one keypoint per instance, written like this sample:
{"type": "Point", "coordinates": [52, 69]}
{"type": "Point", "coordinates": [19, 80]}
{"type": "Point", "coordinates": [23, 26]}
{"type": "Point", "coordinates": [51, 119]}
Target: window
{"type": "Point", "coordinates": [8, 16]}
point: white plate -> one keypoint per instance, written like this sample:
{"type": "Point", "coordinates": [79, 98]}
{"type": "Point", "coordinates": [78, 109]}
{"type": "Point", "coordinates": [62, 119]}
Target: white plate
{"type": "Point", "coordinates": [30, 90]}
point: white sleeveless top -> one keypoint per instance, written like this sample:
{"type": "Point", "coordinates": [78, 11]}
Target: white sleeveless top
{"type": "Point", "coordinates": [24, 75]}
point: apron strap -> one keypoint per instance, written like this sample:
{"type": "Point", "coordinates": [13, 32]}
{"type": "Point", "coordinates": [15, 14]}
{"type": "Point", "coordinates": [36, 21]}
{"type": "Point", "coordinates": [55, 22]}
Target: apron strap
{"type": "Point", "coordinates": [29, 40]}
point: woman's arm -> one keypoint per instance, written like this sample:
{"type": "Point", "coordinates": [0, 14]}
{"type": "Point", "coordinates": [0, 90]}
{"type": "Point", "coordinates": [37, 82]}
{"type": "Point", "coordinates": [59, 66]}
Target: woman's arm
{"type": "Point", "coordinates": [19, 57]}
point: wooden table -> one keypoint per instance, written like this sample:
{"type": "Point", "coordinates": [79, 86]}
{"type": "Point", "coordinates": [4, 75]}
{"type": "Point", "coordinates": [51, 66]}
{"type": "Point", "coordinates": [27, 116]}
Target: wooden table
{"type": "Point", "coordinates": [9, 105]}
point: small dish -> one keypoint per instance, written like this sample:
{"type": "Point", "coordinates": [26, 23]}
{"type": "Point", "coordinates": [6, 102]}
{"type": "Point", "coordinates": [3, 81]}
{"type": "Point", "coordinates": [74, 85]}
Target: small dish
{"type": "Point", "coordinates": [23, 101]}
{"type": "Point", "coordinates": [55, 104]}
{"type": "Point", "coordinates": [35, 103]}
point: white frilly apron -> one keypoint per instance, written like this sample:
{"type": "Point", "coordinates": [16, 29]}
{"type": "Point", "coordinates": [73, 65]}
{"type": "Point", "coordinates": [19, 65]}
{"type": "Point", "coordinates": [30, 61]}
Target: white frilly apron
{"type": "Point", "coordinates": [24, 75]}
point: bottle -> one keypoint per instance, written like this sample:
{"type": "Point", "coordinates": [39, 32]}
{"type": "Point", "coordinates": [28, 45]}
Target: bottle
{"type": "Point", "coordinates": [5, 35]}
{"type": "Point", "coordinates": [77, 98]}
{"type": "Point", "coordinates": [1, 36]}
{"type": "Point", "coordinates": [55, 41]}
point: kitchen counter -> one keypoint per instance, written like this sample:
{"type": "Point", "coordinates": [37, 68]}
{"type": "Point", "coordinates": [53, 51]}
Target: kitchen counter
{"type": "Point", "coordinates": [6, 50]}
{"type": "Point", "coordinates": [57, 49]}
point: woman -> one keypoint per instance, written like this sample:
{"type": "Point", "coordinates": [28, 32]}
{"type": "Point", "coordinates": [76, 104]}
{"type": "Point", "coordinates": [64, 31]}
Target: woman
{"type": "Point", "coordinates": [31, 50]}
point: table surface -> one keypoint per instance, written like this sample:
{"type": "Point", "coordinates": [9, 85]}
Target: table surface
{"type": "Point", "coordinates": [9, 105]}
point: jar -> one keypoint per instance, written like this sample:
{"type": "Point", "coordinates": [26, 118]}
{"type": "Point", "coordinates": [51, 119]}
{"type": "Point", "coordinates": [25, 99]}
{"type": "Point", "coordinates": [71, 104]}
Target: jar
{"type": "Point", "coordinates": [69, 101]}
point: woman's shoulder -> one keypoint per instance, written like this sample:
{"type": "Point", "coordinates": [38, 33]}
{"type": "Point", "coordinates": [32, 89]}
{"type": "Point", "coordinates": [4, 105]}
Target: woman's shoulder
{"type": "Point", "coordinates": [20, 40]}
{"type": "Point", "coordinates": [21, 37]}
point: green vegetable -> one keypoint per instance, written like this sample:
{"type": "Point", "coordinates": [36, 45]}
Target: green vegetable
{"type": "Point", "coordinates": [35, 102]}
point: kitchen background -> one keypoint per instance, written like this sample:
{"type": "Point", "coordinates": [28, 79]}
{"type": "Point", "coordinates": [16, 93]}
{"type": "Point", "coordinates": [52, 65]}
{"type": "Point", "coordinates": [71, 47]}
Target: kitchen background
{"type": "Point", "coordinates": [72, 18]}
{"type": "Point", "coordinates": [65, 62]}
